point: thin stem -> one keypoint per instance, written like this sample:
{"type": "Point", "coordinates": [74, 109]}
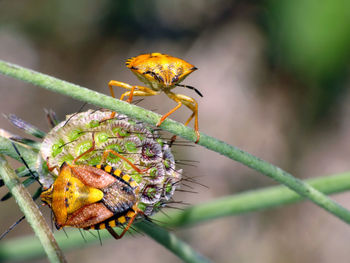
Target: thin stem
{"type": "Point", "coordinates": [29, 248]}
{"type": "Point", "coordinates": [31, 212]}
{"type": "Point", "coordinates": [26, 248]}
{"type": "Point", "coordinates": [232, 152]}
{"type": "Point", "coordinates": [254, 200]}
{"type": "Point", "coordinates": [211, 143]}
{"type": "Point", "coordinates": [171, 242]}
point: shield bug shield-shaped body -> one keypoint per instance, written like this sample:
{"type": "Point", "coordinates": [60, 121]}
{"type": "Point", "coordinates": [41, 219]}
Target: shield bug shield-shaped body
{"type": "Point", "coordinates": [93, 197]}
{"type": "Point", "coordinates": [160, 73]}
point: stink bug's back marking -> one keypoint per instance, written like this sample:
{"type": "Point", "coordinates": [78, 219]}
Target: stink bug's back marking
{"type": "Point", "coordinates": [163, 70]}
{"type": "Point", "coordinates": [92, 197]}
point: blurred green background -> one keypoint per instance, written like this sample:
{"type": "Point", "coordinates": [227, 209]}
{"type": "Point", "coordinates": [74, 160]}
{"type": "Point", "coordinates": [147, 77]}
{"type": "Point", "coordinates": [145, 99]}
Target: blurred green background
{"type": "Point", "coordinates": [275, 80]}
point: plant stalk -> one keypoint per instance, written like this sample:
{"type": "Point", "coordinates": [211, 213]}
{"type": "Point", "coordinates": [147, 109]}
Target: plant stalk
{"type": "Point", "coordinates": [31, 212]}
{"type": "Point", "coordinates": [234, 153]}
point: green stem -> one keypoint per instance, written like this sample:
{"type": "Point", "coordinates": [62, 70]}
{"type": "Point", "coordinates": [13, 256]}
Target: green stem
{"type": "Point", "coordinates": [171, 242]}
{"type": "Point", "coordinates": [31, 212]}
{"type": "Point", "coordinates": [26, 248]}
{"type": "Point", "coordinates": [254, 200]}
{"type": "Point", "coordinates": [211, 143]}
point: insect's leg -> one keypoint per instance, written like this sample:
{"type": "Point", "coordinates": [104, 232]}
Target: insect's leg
{"type": "Point", "coordinates": [192, 105]}
{"type": "Point", "coordinates": [106, 152]}
{"type": "Point", "coordinates": [130, 94]}
{"type": "Point", "coordinates": [189, 103]}
{"type": "Point", "coordinates": [87, 151]}
{"type": "Point", "coordinates": [115, 235]}
{"type": "Point", "coordinates": [141, 91]}
{"type": "Point", "coordinates": [114, 83]}
{"type": "Point", "coordinates": [173, 138]}
{"type": "Point", "coordinates": [51, 168]}
{"type": "Point", "coordinates": [179, 104]}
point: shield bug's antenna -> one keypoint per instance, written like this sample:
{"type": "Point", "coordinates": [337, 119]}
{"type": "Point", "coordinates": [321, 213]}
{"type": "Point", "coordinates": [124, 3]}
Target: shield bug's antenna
{"type": "Point", "coordinates": [190, 87]}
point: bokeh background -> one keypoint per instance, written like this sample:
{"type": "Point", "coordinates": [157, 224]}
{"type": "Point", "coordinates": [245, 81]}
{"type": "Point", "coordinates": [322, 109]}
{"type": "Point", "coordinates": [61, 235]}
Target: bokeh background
{"type": "Point", "coordinates": [275, 79]}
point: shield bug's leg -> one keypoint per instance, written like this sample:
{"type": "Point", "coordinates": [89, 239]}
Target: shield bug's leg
{"type": "Point", "coordinates": [114, 83]}
{"type": "Point", "coordinates": [141, 91]}
{"type": "Point", "coordinates": [169, 113]}
{"type": "Point", "coordinates": [87, 151]}
{"type": "Point", "coordinates": [106, 152]}
{"type": "Point", "coordinates": [173, 138]}
{"type": "Point", "coordinates": [51, 168]}
{"type": "Point", "coordinates": [189, 103]}
{"type": "Point", "coordinates": [130, 94]}
{"type": "Point", "coordinates": [115, 235]}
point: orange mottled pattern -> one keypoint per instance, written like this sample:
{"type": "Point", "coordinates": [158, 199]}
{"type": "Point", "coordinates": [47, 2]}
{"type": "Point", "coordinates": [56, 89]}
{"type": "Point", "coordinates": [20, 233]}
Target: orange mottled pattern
{"type": "Point", "coordinates": [160, 68]}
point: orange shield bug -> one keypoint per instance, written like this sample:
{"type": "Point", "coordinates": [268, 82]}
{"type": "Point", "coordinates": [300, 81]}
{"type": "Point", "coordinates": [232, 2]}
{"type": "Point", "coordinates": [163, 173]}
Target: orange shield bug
{"type": "Point", "coordinates": [160, 72]}
{"type": "Point", "coordinates": [93, 197]}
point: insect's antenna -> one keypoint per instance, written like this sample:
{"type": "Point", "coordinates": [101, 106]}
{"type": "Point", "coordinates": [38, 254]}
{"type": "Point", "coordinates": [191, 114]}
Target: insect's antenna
{"type": "Point", "coordinates": [12, 227]}
{"type": "Point", "coordinates": [190, 87]}
{"type": "Point", "coordinates": [25, 163]}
